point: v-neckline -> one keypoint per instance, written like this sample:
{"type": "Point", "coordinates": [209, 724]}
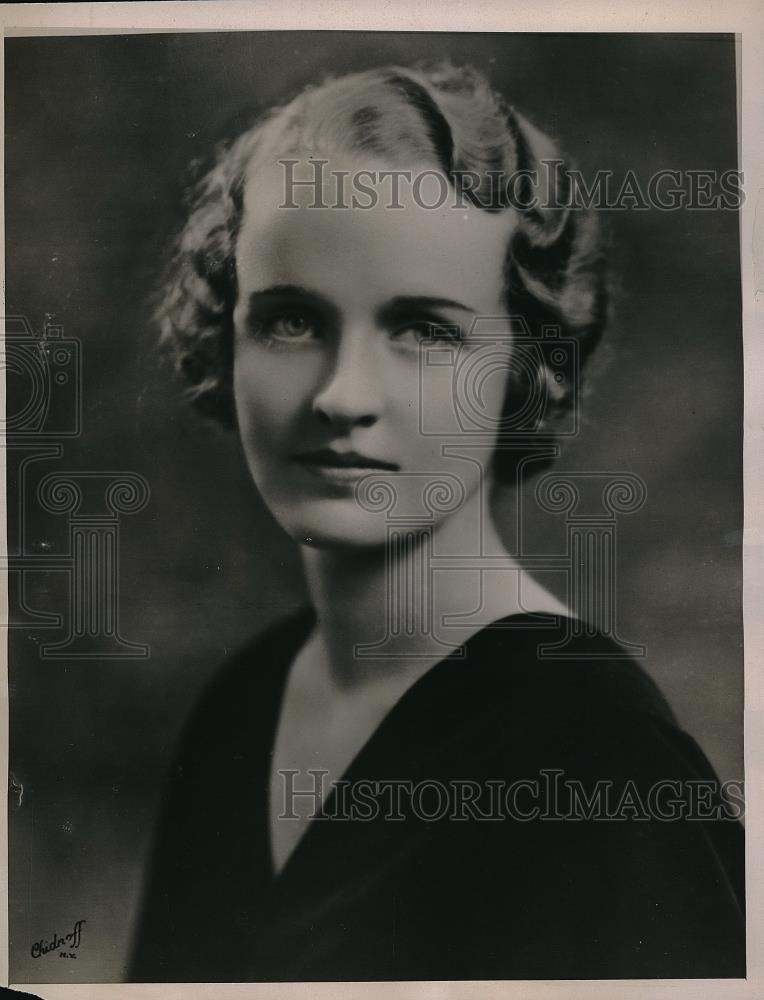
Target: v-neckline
{"type": "Point", "coordinates": [300, 626]}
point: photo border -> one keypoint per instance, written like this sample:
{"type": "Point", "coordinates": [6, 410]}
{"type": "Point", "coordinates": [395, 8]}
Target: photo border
{"type": "Point", "coordinates": [731, 16]}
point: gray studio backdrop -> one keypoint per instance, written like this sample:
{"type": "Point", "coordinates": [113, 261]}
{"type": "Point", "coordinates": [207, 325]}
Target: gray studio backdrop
{"type": "Point", "coordinates": [99, 133]}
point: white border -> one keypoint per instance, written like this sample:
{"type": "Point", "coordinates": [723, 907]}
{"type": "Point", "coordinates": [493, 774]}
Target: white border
{"type": "Point", "coordinates": [381, 15]}
{"type": "Point", "coordinates": [741, 16]}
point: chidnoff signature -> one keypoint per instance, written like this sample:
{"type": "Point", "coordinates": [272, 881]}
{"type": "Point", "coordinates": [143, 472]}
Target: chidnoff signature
{"type": "Point", "coordinates": [59, 941]}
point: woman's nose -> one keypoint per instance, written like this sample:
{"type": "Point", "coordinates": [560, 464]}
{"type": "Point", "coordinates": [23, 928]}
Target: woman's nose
{"type": "Point", "coordinates": [351, 393]}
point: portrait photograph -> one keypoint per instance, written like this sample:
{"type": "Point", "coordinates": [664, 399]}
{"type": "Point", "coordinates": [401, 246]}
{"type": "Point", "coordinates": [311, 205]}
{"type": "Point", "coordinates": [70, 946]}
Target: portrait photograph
{"type": "Point", "coordinates": [376, 511]}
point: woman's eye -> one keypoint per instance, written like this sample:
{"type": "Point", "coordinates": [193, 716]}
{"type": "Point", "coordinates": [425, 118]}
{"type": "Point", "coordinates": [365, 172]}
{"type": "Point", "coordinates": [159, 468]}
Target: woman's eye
{"type": "Point", "coordinates": [417, 333]}
{"type": "Point", "coordinates": [293, 327]}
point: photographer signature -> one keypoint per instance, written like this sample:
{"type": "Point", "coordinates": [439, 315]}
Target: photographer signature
{"type": "Point", "coordinates": [60, 942]}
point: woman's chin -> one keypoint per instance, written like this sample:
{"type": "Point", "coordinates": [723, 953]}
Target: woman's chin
{"type": "Point", "coordinates": [337, 541]}
{"type": "Point", "coordinates": [357, 529]}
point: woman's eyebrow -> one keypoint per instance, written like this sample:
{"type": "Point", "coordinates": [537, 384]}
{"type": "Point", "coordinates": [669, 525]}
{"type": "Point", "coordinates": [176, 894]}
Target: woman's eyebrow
{"type": "Point", "coordinates": [299, 292]}
{"type": "Point", "coordinates": [407, 304]}
{"type": "Point", "coordinates": [401, 305]}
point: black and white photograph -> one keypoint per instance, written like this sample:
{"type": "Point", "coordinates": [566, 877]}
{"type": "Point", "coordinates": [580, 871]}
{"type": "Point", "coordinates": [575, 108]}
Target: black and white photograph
{"type": "Point", "coordinates": [375, 507]}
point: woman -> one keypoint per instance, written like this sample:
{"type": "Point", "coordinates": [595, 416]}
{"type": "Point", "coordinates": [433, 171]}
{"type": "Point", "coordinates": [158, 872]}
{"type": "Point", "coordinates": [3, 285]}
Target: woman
{"type": "Point", "coordinates": [303, 834]}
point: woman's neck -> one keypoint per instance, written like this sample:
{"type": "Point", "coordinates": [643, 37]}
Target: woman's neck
{"type": "Point", "coordinates": [350, 590]}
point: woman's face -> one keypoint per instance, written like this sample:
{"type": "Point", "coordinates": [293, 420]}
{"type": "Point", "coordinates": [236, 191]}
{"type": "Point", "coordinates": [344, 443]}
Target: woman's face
{"type": "Point", "coordinates": [332, 381]}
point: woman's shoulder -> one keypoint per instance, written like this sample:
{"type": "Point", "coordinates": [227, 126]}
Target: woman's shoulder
{"type": "Point", "coordinates": [274, 638]}
{"type": "Point", "coordinates": [245, 686]}
{"type": "Point", "coordinates": [563, 666]}
{"type": "Point", "coordinates": [530, 695]}
{"type": "Point", "coordinates": [258, 658]}
{"type": "Point", "coordinates": [562, 696]}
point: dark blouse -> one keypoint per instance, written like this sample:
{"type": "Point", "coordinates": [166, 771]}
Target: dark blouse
{"type": "Point", "coordinates": [521, 895]}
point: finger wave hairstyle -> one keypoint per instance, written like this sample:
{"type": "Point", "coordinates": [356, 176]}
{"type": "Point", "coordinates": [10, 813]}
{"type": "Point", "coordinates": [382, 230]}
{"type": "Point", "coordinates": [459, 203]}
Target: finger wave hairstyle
{"type": "Point", "coordinates": [438, 114]}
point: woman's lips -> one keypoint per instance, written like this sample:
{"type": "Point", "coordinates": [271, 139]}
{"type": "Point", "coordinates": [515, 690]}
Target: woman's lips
{"type": "Point", "coordinates": [339, 475]}
{"type": "Point", "coordinates": [342, 468]}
